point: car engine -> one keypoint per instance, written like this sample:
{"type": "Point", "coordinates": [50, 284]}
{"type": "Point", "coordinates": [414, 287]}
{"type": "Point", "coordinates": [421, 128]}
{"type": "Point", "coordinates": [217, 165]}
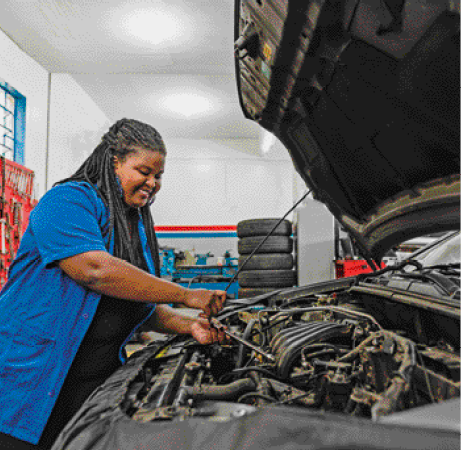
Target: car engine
{"type": "Point", "coordinates": [348, 350]}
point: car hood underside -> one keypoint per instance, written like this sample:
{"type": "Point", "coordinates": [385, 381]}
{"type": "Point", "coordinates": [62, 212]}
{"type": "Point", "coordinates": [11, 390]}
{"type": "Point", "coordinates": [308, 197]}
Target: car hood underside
{"type": "Point", "coordinates": [370, 117]}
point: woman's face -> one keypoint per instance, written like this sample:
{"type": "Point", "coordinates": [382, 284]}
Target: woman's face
{"type": "Point", "coordinates": [140, 175]}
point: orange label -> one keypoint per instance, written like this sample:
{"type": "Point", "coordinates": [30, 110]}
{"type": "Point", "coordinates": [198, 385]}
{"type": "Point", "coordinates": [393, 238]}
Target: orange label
{"type": "Point", "coordinates": [267, 52]}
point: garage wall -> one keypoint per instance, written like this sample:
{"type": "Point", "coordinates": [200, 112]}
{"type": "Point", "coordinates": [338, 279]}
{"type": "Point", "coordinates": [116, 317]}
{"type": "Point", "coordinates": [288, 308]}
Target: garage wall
{"type": "Point", "coordinates": [31, 80]}
{"type": "Point", "coordinates": [76, 123]}
{"type": "Point", "coordinates": [76, 127]}
{"type": "Point", "coordinates": [207, 182]}
{"type": "Point", "coordinates": [210, 183]}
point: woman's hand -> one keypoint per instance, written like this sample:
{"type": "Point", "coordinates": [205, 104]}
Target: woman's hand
{"type": "Point", "coordinates": [203, 333]}
{"type": "Point", "coordinates": [210, 302]}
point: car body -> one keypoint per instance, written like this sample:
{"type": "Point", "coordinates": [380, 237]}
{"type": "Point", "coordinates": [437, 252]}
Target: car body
{"type": "Point", "coordinates": [366, 362]}
{"type": "Point", "coordinates": [365, 97]}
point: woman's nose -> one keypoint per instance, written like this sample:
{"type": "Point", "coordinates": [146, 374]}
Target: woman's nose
{"type": "Point", "coordinates": [151, 181]}
{"type": "Point", "coordinates": [154, 184]}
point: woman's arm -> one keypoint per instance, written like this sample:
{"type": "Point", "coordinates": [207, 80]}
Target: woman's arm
{"type": "Point", "coordinates": [108, 275]}
{"type": "Point", "coordinates": [169, 321]}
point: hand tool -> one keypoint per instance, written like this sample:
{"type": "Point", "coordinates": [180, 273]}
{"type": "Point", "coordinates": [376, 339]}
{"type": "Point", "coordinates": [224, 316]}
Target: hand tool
{"type": "Point", "coordinates": [21, 183]}
{"type": "Point", "coordinates": [17, 219]}
{"type": "Point", "coordinates": [215, 323]}
{"type": "Point", "coordinates": [9, 236]}
{"type": "Point", "coordinates": [3, 235]}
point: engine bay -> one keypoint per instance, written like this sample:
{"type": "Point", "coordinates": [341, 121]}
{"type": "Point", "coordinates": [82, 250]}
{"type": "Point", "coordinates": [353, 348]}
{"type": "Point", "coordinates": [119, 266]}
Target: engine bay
{"type": "Point", "coordinates": [348, 351]}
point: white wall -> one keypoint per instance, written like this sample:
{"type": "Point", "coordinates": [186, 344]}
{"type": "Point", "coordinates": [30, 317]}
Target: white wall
{"type": "Point", "coordinates": [76, 127]}
{"type": "Point", "coordinates": [76, 123]}
{"type": "Point", "coordinates": [209, 182]}
{"type": "Point", "coordinates": [213, 183]}
{"type": "Point", "coordinates": [31, 80]}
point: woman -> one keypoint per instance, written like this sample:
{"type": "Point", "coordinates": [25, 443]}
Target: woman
{"type": "Point", "coordinates": [85, 277]}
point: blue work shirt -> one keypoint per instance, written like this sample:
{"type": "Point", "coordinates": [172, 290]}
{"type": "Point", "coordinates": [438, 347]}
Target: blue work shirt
{"type": "Point", "coordinates": [44, 314]}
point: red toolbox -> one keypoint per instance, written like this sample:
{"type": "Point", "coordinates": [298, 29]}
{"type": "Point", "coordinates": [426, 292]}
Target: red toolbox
{"type": "Point", "coordinates": [352, 267]}
{"type": "Point", "coordinates": [16, 203]}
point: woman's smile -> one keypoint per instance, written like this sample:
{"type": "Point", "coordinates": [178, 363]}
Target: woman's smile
{"type": "Point", "coordinates": [140, 175]}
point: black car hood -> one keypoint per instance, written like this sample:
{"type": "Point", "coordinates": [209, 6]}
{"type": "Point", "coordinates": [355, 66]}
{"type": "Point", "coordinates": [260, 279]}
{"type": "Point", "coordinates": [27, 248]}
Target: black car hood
{"type": "Point", "coordinates": [274, 428]}
{"type": "Point", "coordinates": [365, 97]}
{"type": "Point", "coordinates": [102, 424]}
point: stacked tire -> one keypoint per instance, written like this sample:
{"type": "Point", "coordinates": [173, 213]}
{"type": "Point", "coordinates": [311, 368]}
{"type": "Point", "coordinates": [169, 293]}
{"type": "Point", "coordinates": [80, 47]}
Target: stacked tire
{"type": "Point", "coordinates": [271, 267]}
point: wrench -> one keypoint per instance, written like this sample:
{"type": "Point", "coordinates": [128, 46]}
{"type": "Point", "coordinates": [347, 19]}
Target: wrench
{"type": "Point", "coordinates": [215, 323]}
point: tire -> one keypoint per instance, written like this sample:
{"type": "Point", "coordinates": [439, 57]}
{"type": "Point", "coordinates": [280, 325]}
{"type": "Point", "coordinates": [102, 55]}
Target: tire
{"type": "Point", "coordinates": [267, 278]}
{"type": "Point", "coordinates": [262, 227]}
{"type": "Point", "coordinates": [273, 244]}
{"type": "Point", "coordinates": [268, 261]}
{"type": "Point", "coordinates": [253, 292]}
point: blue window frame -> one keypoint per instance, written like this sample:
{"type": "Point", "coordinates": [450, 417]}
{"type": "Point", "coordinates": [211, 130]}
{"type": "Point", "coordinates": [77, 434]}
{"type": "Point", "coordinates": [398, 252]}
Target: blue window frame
{"type": "Point", "coordinates": [12, 123]}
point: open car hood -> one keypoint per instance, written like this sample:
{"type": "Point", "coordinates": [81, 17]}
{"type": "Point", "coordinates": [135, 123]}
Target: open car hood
{"type": "Point", "coordinates": [365, 97]}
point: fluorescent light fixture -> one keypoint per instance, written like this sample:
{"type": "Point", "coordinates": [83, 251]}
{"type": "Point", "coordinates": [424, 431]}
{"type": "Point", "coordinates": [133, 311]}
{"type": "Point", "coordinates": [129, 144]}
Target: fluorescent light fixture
{"type": "Point", "coordinates": [188, 104]}
{"type": "Point", "coordinates": [153, 27]}
{"type": "Point", "coordinates": [161, 26]}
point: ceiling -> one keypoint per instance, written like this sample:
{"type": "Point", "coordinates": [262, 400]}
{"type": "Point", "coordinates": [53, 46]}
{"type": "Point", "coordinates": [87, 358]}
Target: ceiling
{"type": "Point", "coordinates": [169, 63]}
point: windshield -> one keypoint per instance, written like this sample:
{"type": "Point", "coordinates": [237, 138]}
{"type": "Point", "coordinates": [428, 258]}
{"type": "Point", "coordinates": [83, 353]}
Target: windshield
{"type": "Point", "coordinates": [445, 252]}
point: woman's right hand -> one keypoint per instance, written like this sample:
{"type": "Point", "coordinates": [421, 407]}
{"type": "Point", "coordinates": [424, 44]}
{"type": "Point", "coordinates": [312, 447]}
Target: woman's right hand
{"type": "Point", "coordinates": [210, 302]}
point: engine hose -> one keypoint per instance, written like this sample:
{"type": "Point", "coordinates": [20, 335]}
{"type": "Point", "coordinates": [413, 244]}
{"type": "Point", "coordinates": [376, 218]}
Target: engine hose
{"type": "Point", "coordinates": [327, 351]}
{"type": "Point", "coordinates": [256, 395]}
{"type": "Point", "coordinates": [308, 350]}
{"type": "Point", "coordinates": [242, 348]}
{"type": "Point", "coordinates": [261, 370]}
{"type": "Point", "coordinates": [389, 400]}
{"type": "Point", "coordinates": [230, 391]}
{"type": "Point", "coordinates": [338, 309]}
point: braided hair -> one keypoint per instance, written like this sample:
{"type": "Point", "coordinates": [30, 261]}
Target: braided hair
{"type": "Point", "coordinates": [98, 170]}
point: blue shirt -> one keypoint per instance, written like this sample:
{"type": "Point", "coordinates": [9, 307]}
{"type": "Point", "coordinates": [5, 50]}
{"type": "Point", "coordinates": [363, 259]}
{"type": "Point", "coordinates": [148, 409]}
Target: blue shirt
{"type": "Point", "coordinates": [44, 314]}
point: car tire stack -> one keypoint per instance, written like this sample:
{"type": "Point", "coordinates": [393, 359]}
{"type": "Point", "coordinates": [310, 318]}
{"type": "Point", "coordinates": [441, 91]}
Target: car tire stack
{"type": "Point", "coordinates": [271, 267]}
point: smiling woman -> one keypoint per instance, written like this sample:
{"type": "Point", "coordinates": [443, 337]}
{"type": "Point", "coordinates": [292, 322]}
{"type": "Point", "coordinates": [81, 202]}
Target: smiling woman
{"type": "Point", "coordinates": [86, 276]}
{"type": "Point", "coordinates": [140, 176]}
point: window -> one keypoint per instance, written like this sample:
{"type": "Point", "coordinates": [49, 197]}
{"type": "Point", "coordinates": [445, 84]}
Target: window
{"type": "Point", "coordinates": [12, 123]}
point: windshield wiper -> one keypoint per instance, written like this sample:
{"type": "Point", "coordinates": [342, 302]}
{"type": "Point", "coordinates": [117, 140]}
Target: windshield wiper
{"type": "Point", "coordinates": [444, 283]}
{"type": "Point", "coordinates": [449, 267]}
{"type": "Point", "coordinates": [430, 273]}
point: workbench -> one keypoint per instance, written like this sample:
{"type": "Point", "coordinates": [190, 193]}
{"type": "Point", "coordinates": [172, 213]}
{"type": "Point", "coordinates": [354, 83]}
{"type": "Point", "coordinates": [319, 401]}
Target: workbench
{"type": "Point", "coordinates": [200, 276]}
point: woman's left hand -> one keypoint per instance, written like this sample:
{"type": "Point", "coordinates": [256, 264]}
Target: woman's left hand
{"type": "Point", "coordinates": [204, 333]}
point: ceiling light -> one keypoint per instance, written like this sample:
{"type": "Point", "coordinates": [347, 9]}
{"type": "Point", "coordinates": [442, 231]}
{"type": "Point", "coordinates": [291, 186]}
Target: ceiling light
{"type": "Point", "coordinates": [161, 26]}
{"type": "Point", "coordinates": [188, 104]}
{"type": "Point", "coordinates": [153, 27]}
